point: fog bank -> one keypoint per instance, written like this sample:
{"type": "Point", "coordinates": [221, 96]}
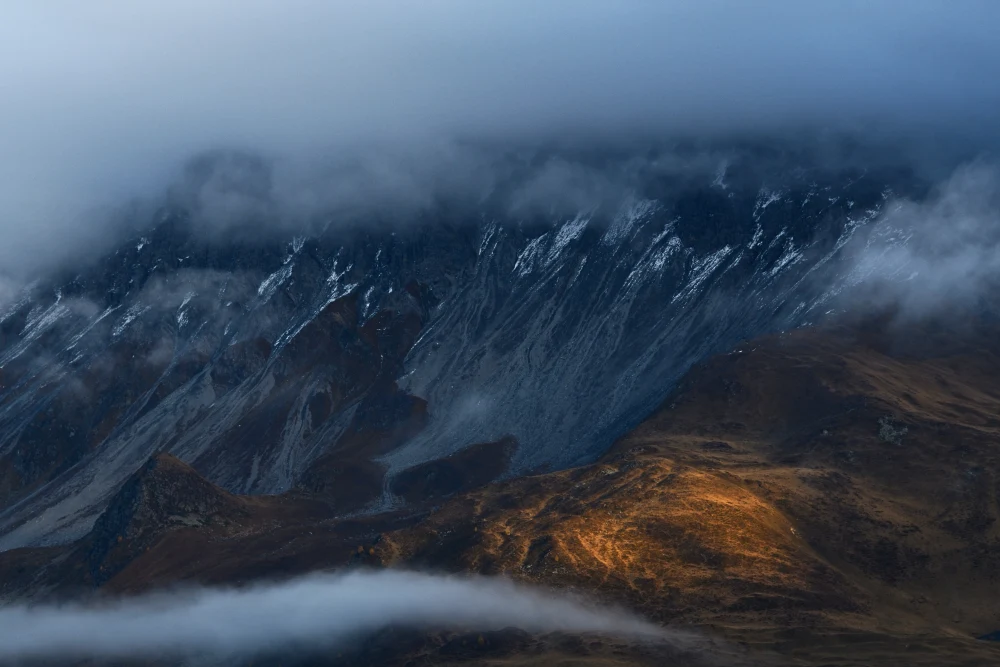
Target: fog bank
{"type": "Point", "coordinates": [307, 613]}
{"type": "Point", "coordinates": [920, 258]}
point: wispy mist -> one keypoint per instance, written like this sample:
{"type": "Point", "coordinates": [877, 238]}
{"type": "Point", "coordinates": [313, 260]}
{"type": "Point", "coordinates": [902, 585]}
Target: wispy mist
{"type": "Point", "coordinates": [308, 613]}
{"type": "Point", "coordinates": [944, 252]}
{"type": "Point", "coordinates": [108, 99]}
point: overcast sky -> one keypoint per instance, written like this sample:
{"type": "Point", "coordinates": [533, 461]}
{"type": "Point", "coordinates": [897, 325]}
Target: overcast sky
{"type": "Point", "coordinates": [103, 99]}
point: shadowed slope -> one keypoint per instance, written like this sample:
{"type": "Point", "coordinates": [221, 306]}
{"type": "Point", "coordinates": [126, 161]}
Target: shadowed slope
{"type": "Point", "coordinates": [821, 497]}
{"type": "Point", "coordinates": [839, 481]}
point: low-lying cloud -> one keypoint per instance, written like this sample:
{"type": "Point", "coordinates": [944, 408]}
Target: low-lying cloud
{"type": "Point", "coordinates": [106, 100]}
{"type": "Point", "coordinates": [309, 613]}
{"type": "Point", "coordinates": [943, 252]}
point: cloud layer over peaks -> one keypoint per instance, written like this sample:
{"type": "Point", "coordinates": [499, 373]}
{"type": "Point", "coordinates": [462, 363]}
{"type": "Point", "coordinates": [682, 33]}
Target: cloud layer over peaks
{"type": "Point", "coordinates": [104, 100]}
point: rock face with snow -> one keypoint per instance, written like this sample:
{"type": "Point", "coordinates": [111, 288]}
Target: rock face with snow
{"type": "Point", "coordinates": [335, 362]}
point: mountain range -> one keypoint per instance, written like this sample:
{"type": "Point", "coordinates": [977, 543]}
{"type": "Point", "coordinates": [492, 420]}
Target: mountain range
{"type": "Point", "coordinates": [681, 399]}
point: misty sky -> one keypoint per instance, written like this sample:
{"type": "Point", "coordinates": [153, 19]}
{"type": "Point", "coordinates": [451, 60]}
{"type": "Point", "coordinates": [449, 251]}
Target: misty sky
{"type": "Point", "coordinates": [104, 99]}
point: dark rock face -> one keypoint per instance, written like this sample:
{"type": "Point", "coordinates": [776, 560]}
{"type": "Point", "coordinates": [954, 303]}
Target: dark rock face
{"type": "Point", "coordinates": [469, 468]}
{"type": "Point", "coordinates": [161, 494]}
{"type": "Point", "coordinates": [341, 361]}
{"type": "Point", "coordinates": [731, 508]}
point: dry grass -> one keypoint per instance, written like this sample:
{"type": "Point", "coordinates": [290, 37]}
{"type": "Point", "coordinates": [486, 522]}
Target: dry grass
{"type": "Point", "coordinates": [760, 505]}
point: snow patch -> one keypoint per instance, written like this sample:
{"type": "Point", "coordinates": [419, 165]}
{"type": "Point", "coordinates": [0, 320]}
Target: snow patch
{"type": "Point", "coordinates": [764, 199]}
{"type": "Point", "coordinates": [490, 234]}
{"type": "Point", "coordinates": [701, 270]}
{"type": "Point", "coordinates": [335, 277]}
{"type": "Point", "coordinates": [790, 256]}
{"type": "Point", "coordinates": [526, 260]}
{"type": "Point", "coordinates": [534, 255]}
{"type": "Point", "coordinates": [631, 214]}
{"type": "Point", "coordinates": [182, 317]}
{"type": "Point", "coordinates": [77, 338]}
{"type": "Point", "coordinates": [271, 284]}
{"type": "Point", "coordinates": [339, 291]}
{"type": "Point", "coordinates": [660, 257]}
{"type": "Point", "coordinates": [16, 306]}
{"type": "Point", "coordinates": [367, 300]}
{"type": "Point", "coordinates": [720, 176]}
{"type": "Point", "coordinates": [39, 321]}
{"type": "Point", "coordinates": [813, 189]}
{"type": "Point", "coordinates": [131, 315]}
{"type": "Point", "coordinates": [567, 234]}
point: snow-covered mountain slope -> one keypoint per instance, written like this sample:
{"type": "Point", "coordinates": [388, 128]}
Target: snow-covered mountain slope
{"type": "Point", "coordinates": [334, 361]}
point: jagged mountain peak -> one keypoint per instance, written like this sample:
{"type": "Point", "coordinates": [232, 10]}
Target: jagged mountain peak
{"type": "Point", "coordinates": [262, 359]}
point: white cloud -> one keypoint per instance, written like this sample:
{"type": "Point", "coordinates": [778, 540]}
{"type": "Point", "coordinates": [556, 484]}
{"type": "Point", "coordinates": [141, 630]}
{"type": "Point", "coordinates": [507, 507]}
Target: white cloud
{"type": "Point", "coordinates": [938, 253]}
{"type": "Point", "coordinates": [105, 99]}
{"type": "Point", "coordinates": [307, 613]}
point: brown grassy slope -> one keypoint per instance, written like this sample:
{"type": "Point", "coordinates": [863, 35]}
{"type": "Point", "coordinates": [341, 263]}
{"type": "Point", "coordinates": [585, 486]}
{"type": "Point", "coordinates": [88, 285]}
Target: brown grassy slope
{"type": "Point", "coordinates": [768, 499]}
{"type": "Point", "coordinates": [774, 499]}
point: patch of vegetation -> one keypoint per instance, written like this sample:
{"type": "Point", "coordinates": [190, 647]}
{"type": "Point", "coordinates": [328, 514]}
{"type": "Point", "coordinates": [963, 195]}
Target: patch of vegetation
{"type": "Point", "coordinates": [890, 432]}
